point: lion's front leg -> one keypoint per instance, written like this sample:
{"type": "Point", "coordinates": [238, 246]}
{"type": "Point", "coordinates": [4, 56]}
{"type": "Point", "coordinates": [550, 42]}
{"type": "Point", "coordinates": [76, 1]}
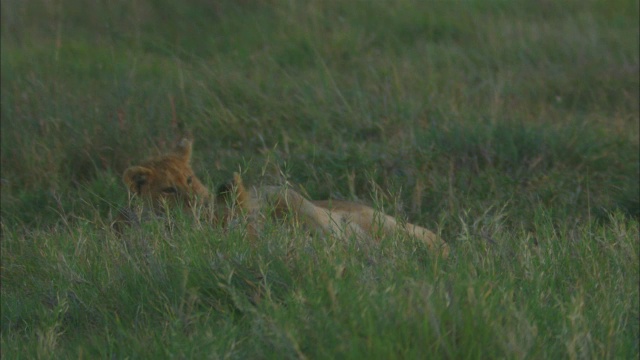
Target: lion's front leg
{"type": "Point", "coordinates": [286, 201]}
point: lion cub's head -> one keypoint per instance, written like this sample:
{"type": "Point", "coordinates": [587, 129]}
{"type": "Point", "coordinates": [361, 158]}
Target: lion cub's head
{"type": "Point", "coordinates": [166, 179]}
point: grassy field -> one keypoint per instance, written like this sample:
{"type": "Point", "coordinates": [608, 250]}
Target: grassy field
{"type": "Point", "coordinates": [509, 127]}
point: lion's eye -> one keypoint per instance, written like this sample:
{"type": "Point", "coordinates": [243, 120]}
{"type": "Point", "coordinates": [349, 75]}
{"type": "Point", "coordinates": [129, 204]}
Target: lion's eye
{"type": "Point", "coordinates": [170, 190]}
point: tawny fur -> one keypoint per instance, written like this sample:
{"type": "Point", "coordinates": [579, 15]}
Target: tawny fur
{"type": "Point", "coordinates": [169, 180]}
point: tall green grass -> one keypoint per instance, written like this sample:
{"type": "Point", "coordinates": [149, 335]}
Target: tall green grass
{"type": "Point", "coordinates": [551, 291]}
{"type": "Point", "coordinates": [510, 127]}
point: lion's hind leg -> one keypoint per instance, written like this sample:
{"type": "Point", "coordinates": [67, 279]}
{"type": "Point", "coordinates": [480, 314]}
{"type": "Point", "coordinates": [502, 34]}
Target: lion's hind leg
{"type": "Point", "coordinates": [381, 223]}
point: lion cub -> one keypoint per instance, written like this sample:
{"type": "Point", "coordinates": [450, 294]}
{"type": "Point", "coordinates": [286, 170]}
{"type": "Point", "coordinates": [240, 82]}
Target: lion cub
{"type": "Point", "coordinates": [168, 181]}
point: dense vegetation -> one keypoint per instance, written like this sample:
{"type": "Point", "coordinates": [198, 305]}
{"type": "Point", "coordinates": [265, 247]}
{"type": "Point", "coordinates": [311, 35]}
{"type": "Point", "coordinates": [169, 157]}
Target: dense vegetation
{"type": "Point", "coordinates": [510, 127]}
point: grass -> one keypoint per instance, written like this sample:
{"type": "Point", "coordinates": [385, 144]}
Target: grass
{"type": "Point", "coordinates": [509, 127]}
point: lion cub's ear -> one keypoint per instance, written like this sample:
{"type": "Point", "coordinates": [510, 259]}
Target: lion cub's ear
{"type": "Point", "coordinates": [183, 149]}
{"type": "Point", "coordinates": [234, 187]}
{"type": "Point", "coordinates": [136, 176]}
{"type": "Point", "coordinates": [242, 193]}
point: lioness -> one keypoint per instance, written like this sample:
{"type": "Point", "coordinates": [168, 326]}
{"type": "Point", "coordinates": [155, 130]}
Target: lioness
{"type": "Point", "coordinates": [168, 181]}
